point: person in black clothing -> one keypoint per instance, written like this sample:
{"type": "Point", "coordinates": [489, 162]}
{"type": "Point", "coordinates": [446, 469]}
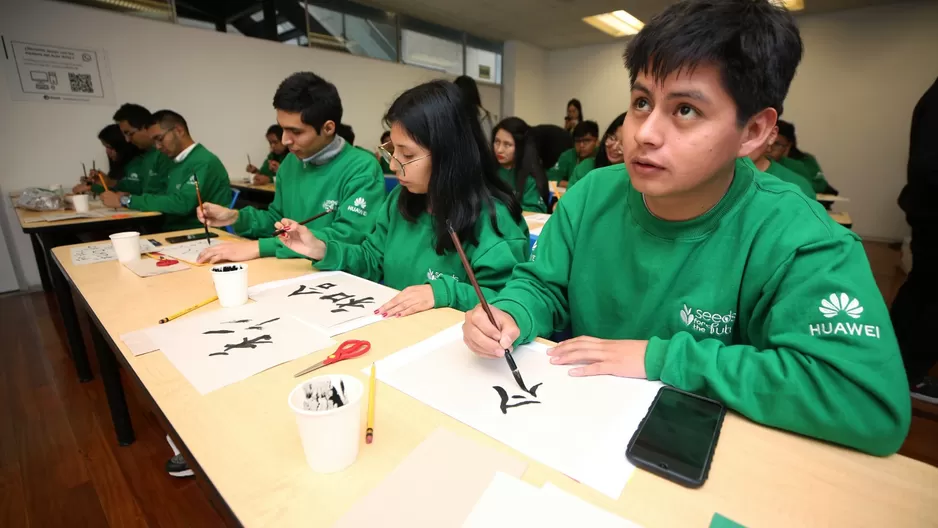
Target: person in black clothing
{"type": "Point", "coordinates": [915, 308]}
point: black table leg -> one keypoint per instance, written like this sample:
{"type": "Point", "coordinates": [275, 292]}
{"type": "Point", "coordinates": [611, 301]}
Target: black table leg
{"type": "Point", "coordinates": [76, 344]}
{"type": "Point", "coordinates": [111, 376]}
{"type": "Point", "coordinates": [41, 262]}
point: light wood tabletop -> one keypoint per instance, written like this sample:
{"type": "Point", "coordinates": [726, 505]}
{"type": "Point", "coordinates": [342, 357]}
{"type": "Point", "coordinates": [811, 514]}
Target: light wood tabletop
{"type": "Point", "coordinates": [821, 197]}
{"type": "Point", "coordinates": [267, 187]}
{"type": "Point", "coordinates": [841, 217]}
{"type": "Point", "coordinates": [29, 220]}
{"type": "Point", "coordinates": [245, 438]}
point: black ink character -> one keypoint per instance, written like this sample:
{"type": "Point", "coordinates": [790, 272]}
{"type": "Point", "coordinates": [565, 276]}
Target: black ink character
{"type": "Point", "coordinates": [303, 291]}
{"type": "Point", "coordinates": [219, 332]}
{"type": "Point", "coordinates": [237, 321]}
{"type": "Point", "coordinates": [259, 325]}
{"type": "Point", "coordinates": [326, 286]}
{"type": "Point", "coordinates": [245, 343]}
{"type": "Point", "coordinates": [339, 300]}
{"type": "Point", "coordinates": [504, 406]}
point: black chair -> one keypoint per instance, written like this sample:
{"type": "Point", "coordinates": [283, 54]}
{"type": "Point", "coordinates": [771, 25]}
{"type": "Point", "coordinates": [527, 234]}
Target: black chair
{"type": "Point", "coordinates": [552, 141]}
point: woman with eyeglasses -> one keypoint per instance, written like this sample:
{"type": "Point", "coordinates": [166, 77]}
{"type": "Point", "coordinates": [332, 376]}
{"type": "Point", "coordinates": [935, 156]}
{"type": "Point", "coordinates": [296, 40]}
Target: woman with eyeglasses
{"type": "Point", "coordinates": [447, 177]}
{"type": "Point", "coordinates": [610, 152]}
{"type": "Point", "coordinates": [519, 164]}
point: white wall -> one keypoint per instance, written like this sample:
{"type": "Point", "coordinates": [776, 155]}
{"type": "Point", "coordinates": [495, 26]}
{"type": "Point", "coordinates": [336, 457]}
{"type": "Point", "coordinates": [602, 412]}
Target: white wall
{"type": "Point", "coordinates": [223, 84]}
{"type": "Point", "coordinates": [851, 100]}
{"type": "Point", "coordinates": [524, 79]}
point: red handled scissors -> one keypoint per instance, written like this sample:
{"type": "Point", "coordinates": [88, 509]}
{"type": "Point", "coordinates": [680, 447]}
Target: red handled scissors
{"type": "Point", "coordinates": [347, 350]}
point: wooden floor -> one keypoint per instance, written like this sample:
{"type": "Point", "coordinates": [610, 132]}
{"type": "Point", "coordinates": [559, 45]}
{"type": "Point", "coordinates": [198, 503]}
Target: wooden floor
{"type": "Point", "coordinates": [60, 464]}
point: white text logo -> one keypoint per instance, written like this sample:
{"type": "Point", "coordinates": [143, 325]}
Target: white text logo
{"type": "Point", "coordinates": [359, 206]}
{"type": "Point", "coordinates": [329, 205]}
{"type": "Point", "coordinates": [835, 305]}
{"type": "Point", "coordinates": [709, 323]}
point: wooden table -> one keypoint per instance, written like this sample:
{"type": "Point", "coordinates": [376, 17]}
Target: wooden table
{"type": "Point", "coordinates": [842, 218]}
{"type": "Point", "coordinates": [256, 195]}
{"type": "Point", "coordinates": [243, 443]}
{"type": "Point", "coordinates": [831, 198]}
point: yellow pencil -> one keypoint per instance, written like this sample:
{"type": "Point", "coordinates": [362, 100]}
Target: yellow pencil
{"type": "Point", "coordinates": [103, 183]}
{"type": "Point", "coordinates": [187, 310]}
{"type": "Point", "coordinates": [369, 433]}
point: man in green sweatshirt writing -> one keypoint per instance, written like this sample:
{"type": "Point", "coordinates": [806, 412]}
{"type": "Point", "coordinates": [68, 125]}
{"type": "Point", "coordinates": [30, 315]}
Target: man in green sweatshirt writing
{"type": "Point", "coordinates": [278, 151]}
{"type": "Point", "coordinates": [322, 173]}
{"type": "Point", "coordinates": [696, 269]}
{"type": "Point", "coordinates": [191, 162]}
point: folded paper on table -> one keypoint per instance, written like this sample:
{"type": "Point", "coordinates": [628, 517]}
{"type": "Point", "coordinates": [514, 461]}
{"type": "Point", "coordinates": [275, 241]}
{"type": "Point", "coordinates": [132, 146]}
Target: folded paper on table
{"type": "Point", "coordinates": [557, 414]}
{"type": "Point", "coordinates": [334, 301]}
{"type": "Point", "coordinates": [139, 342]}
{"type": "Point", "coordinates": [187, 251]}
{"type": "Point", "coordinates": [148, 267]}
{"type": "Point", "coordinates": [437, 484]}
{"type": "Point", "coordinates": [102, 252]}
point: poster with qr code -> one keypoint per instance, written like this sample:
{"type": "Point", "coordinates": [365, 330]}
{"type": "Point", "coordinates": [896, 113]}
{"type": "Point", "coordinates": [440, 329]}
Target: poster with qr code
{"type": "Point", "coordinates": [45, 72]}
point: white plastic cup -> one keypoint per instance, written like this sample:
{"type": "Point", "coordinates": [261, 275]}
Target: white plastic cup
{"type": "Point", "coordinates": [249, 178]}
{"type": "Point", "coordinates": [330, 438]}
{"type": "Point", "coordinates": [81, 203]}
{"type": "Point", "coordinates": [231, 284]}
{"type": "Point", "coordinates": [126, 245]}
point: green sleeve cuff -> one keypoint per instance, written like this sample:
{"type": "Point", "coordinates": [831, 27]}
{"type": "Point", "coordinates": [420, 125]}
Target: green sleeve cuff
{"type": "Point", "coordinates": [440, 293]}
{"type": "Point", "coordinates": [267, 246]}
{"type": "Point", "coordinates": [522, 318]}
{"type": "Point", "coordinates": [242, 224]}
{"type": "Point", "coordinates": [330, 261]}
{"type": "Point", "coordinates": [655, 353]}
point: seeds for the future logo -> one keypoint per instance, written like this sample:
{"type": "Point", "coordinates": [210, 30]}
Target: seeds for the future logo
{"type": "Point", "coordinates": [708, 323]}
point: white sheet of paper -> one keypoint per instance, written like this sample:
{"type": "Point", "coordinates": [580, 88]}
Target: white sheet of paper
{"type": "Point", "coordinates": [601, 412]}
{"type": "Point", "coordinates": [541, 218]}
{"type": "Point", "coordinates": [58, 217]}
{"type": "Point", "coordinates": [507, 503]}
{"type": "Point", "coordinates": [188, 251]}
{"type": "Point", "coordinates": [568, 510]}
{"type": "Point", "coordinates": [268, 335]}
{"type": "Point", "coordinates": [139, 342]}
{"type": "Point", "coordinates": [102, 252]}
{"type": "Point", "coordinates": [332, 307]}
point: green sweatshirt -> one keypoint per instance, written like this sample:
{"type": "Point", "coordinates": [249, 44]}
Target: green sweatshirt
{"type": "Point", "coordinates": [810, 169]}
{"type": "Point", "coordinates": [351, 183]}
{"type": "Point", "coordinates": [145, 174]}
{"type": "Point", "coordinates": [385, 167]}
{"type": "Point", "coordinates": [581, 170]}
{"type": "Point", "coordinates": [563, 169]}
{"type": "Point", "coordinates": [763, 303]}
{"type": "Point", "coordinates": [265, 167]}
{"type": "Point", "coordinates": [403, 254]}
{"type": "Point", "coordinates": [531, 200]}
{"type": "Point", "coordinates": [179, 202]}
{"type": "Point", "coordinates": [787, 175]}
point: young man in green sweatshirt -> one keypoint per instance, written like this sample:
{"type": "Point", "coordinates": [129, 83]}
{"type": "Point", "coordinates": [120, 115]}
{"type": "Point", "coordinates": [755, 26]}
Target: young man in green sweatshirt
{"type": "Point", "coordinates": [585, 142]}
{"type": "Point", "coordinates": [278, 151]}
{"type": "Point", "coordinates": [765, 164]}
{"type": "Point", "coordinates": [323, 173]}
{"type": "Point", "coordinates": [146, 173]}
{"type": "Point", "coordinates": [190, 162]}
{"type": "Point", "coordinates": [698, 270]}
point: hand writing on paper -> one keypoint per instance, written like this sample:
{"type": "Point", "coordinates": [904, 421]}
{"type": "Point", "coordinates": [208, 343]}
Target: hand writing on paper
{"type": "Point", "coordinates": [230, 252]}
{"type": "Point", "coordinates": [260, 179]}
{"type": "Point", "coordinates": [215, 215]}
{"type": "Point", "coordinates": [251, 168]}
{"type": "Point", "coordinates": [486, 339]}
{"type": "Point", "coordinates": [413, 299]}
{"type": "Point", "coordinates": [111, 199]}
{"type": "Point", "coordinates": [625, 358]}
{"type": "Point", "coordinates": [300, 239]}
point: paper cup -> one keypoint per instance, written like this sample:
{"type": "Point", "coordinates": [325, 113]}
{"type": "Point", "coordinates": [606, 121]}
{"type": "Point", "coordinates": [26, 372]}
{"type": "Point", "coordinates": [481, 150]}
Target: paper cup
{"type": "Point", "coordinates": [231, 284]}
{"type": "Point", "coordinates": [330, 438]}
{"type": "Point", "coordinates": [126, 245]}
{"type": "Point", "coordinates": [249, 179]}
{"type": "Point", "coordinates": [81, 203]}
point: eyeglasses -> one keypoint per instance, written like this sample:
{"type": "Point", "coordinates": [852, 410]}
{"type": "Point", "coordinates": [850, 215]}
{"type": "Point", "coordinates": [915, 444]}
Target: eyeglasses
{"type": "Point", "coordinates": [159, 138]}
{"type": "Point", "coordinates": [388, 158]}
{"type": "Point", "coordinates": [778, 146]}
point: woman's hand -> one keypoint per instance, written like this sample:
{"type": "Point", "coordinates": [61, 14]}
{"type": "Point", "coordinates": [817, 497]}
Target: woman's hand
{"type": "Point", "coordinates": [300, 239]}
{"type": "Point", "coordinates": [413, 299]}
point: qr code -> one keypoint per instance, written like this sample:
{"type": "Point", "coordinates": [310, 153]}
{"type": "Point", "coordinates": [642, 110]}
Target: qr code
{"type": "Point", "coordinates": [81, 82]}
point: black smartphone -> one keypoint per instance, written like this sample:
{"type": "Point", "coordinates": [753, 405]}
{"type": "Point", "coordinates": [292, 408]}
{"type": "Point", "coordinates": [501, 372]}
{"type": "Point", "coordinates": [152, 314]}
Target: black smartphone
{"type": "Point", "coordinates": [678, 436]}
{"type": "Point", "coordinates": [189, 238]}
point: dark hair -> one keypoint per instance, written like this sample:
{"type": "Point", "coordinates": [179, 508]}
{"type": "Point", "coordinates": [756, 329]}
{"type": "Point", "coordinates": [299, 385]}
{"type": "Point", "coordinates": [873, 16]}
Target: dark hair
{"type": "Point", "coordinates": [385, 136]}
{"type": "Point", "coordinates": [135, 115]}
{"type": "Point", "coordinates": [754, 43]}
{"type": "Point", "coordinates": [602, 159]}
{"type": "Point", "coordinates": [314, 98]}
{"type": "Point", "coordinates": [470, 95]}
{"type": "Point", "coordinates": [787, 130]}
{"type": "Point", "coordinates": [168, 119]}
{"type": "Point", "coordinates": [464, 179]}
{"type": "Point", "coordinates": [276, 130]}
{"type": "Point", "coordinates": [345, 132]}
{"type": "Point", "coordinates": [585, 128]}
{"type": "Point", "coordinates": [579, 108]}
{"type": "Point", "coordinates": [527, 159]}
{"type": "Point", "coordinates": [126, 151]}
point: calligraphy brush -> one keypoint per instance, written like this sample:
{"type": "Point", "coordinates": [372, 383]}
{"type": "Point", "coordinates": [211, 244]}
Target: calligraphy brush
{"type": "Point", "coordinates": [205, 225]}
{"type": "Point", "coordinates": [304, 222]}
{"type": "Point", "coordinates": [482, 301]}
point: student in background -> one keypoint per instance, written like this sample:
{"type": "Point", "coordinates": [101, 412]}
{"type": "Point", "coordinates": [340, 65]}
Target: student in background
{"type": "Point", "coordinates": [785, 151]}
{"type": "Point", "coordinates": [738, 289]}
{"type": "Point", "coordinates": [120, 153]}
{"type": "Point", "coordinates": [471, 97]}
{"type": "Point", "coordinates": [447, 176]}
{"type": "Point", "coordinates": [323, 173]}
{"type": "Point", "coordinates": [268, 170]}
{"type": "Point", "coordinates": [585, 139]}
{"type": "Point", "coordinates": [915, 308]}
{"type": "Point", "coordinates": [386, 143]}
{"type": "Point", "coordinates": [147, 173]}
{"type": "Point", "coordinates": [519, 164]}
{"type": "Point", "coordinates": [609, 153]}
{"type": "Point", "coordinates": [574, 115]}
{"type": "Point", "coordinates": [191, 162]}
{"type": "Point", "coordinates": [765, 164]}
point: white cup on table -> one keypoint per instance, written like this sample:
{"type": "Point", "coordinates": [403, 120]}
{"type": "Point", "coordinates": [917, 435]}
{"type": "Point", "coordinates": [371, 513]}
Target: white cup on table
{"type": "Point", "coordinates": [231, 284]}
{"type": "Point", "coordinates": [330, 438]}
{"type": "Point", "coordinates": [81, 203]}
{"type": "Point", "coordinates": [126, 245]}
